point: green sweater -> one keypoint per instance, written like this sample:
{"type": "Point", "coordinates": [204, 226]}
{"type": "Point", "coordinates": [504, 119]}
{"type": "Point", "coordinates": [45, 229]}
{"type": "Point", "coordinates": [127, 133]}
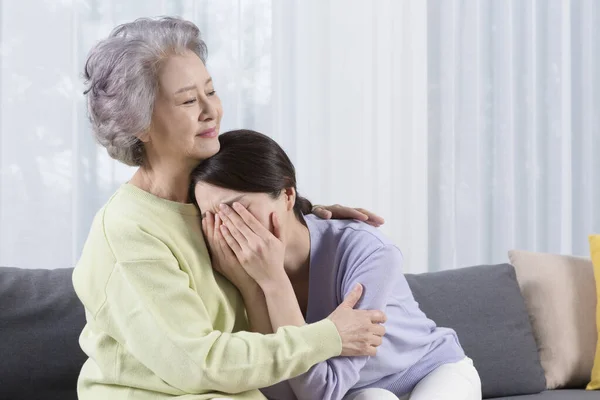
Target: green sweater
{"type": "Point", "coordinates": [162, 324]}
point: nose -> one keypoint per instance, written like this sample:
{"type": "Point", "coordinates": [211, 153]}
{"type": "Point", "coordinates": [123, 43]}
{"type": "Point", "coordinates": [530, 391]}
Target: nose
{"type": "Point", "coordinates": [208, 110]}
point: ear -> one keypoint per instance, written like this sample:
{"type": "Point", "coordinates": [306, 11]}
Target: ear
{"type": "Point", "coordinates": [290, 198]}
{"type": "Point", "coordinates": [144, 136]}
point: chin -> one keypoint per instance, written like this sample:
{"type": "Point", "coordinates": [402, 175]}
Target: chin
{"type": "Point", "coordinates": [209, 149]}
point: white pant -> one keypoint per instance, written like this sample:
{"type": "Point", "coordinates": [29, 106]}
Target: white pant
{"type": "Point", "coordinates": [456, 381]}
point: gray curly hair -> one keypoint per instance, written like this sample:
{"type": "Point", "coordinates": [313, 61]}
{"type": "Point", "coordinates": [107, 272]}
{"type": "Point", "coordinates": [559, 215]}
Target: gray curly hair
{"type": "Point", "coordinates": [121, 74]}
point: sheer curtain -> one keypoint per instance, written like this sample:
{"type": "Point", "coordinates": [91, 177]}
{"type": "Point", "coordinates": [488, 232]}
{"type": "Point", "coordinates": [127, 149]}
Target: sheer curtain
{"type": "Point", "coordinates": [469, 125]}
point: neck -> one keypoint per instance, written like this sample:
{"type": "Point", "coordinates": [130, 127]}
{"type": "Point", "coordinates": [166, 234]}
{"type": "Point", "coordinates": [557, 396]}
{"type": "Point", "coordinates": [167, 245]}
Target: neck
{"type": "Point", "coordinates": [297, 252]}
{"type": "Point", "coordinates": [168, 182]}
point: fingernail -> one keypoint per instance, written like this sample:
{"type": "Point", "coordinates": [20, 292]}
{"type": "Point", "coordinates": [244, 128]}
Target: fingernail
{"type": "Point", "coordinates": [223, 207]}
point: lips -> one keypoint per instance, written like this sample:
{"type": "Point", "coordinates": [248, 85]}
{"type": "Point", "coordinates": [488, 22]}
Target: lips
{"type": "Point", "coordinates": [208, 133]}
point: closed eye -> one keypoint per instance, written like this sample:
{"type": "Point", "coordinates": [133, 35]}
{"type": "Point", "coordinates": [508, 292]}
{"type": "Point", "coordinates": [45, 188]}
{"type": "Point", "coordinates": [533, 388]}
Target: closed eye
{"type": "Point", "coordinates": [190, 101]}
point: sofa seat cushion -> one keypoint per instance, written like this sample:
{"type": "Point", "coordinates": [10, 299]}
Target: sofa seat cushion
{"type": "Point", "coordinates": [40, 322]}
{"type": "Point", "coordinates": [486, 309]}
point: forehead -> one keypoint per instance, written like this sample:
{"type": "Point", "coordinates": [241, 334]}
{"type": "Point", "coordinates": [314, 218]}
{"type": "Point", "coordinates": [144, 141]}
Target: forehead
{"type": "Point", "coordinates": [209, 197]}
{"type": "Point", "coordinates": [179, 70]}
{"type": "Point", "coordinates": [207, 193]}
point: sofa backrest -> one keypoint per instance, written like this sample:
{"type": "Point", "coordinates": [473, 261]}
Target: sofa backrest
{"type": "Point", "coordinates": [485, 307]}
{"type": "Point", "coordinates": [40, 322]}
{"type": "Point", "coordinates": [41, 319]}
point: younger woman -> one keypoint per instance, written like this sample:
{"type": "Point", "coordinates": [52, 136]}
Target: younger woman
{"type": "Point", "coordinates": [258, 229]}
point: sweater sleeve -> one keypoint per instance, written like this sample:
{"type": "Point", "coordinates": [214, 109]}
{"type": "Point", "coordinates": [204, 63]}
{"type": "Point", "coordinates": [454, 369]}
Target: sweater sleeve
{"type": "Point", "coordinates": [379, 273]}
{"type": "Point", "coordinates": [151, 310]}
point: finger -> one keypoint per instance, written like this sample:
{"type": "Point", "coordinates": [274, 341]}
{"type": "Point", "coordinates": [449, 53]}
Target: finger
{"type": "Point", "coordinates": [208, 223]}
{"type": "Point", "coordinates": [342, 212]}
{"type": "Point", "coordinates": [322, 212]}
{"type": "Point", "coordinates": [208, 233]}
{"type": "Point", "coordinates": [224, 247]}
{"type": "Point", "coordinates": [353, 297]}
{"type": "Point", "coordinates": [218, 235]}
{"type": "Point", "coordinates": [216, 225]}
{"type": "Point", "coordinates": [372, 223]}
{"type": "Point", "coordinates": [276, 226]}
{"type": "Point", "coordinates": [376, 341]}
{"type": "Point", "coordinates": [231, 242]}
{"type": "Point", "coordinates": [251, 221]}
{"type": "Point", "coordinates": [230, 215]}
{"type": "Point", "coordinates": [236, 234]}
{"type": "Point", "coordinates": [374, 219]}
{"type": "Point", "coordinates": [232, 228]}
{"type": "Point", "coordinates": [378, 330]}
{"type": "Point", "coordinates": [377, 317]}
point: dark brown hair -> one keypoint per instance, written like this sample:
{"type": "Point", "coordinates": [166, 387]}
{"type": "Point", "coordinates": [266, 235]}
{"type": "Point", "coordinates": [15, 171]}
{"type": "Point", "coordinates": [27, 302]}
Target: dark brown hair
{"type": "Point", "coordinates": [250, 162]}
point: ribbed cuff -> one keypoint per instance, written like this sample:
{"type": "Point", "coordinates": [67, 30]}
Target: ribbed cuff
{"type": "Point", "coordinates": [324, 336]}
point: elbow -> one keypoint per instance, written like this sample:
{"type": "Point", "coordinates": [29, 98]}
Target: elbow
{"type": "Point", "coordinates": [190, 383]}
{"type": "Point", "coordinates": [200, 381]}
{"type": "Point", "coordinates": [194, 380]}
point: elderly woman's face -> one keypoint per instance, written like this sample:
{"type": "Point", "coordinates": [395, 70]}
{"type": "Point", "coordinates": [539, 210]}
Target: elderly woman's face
{"type": "Point", "coordinates": [187, 113]}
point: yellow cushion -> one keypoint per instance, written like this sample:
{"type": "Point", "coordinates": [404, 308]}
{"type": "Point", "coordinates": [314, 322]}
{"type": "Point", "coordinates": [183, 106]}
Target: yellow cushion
{"type": "Point", "coordinates": [595, 253]}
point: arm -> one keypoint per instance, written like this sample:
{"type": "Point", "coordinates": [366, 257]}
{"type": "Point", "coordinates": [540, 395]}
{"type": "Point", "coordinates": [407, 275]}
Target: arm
{"type": "Point", "coordinates": [282, 304]}
{"type": "Point", "coordinates": [331, 379]}
{"type": "Point", "coordinates": [278, 301]}
{"type": "Point", "coordinates": [256, 308]}
{"type": "Point", "coordinates": [224, 261]}
{"type": "Point", "coordinates": [151, 310]}
{"type": "Point", "coordinates": [261, 254]}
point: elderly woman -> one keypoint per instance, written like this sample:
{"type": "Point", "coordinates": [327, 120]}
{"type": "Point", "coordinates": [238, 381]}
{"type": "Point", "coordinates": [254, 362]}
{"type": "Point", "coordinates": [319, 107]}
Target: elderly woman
{"type": "Point", "coordinates": [160, 322]}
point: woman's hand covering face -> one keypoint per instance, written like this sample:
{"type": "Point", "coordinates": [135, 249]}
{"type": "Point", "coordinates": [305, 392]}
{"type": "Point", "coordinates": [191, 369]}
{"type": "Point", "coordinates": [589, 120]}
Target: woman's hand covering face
{"type": "Point", "coordinates": [259, 252]}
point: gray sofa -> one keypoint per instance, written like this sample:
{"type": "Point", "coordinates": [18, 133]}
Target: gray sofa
{"type": "Point", "coordinates": [41, 318]}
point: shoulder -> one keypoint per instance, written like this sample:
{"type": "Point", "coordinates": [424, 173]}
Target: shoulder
{"type": "Point", "coordinates": [121, 233]}
{"type": "Point", "coordinates": [129, 230]}
{"type": "Point", "coordinates": [355, 241]}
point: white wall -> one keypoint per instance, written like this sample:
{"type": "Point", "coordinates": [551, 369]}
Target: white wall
{"type": "Point", "coordinates": [469, 125]}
